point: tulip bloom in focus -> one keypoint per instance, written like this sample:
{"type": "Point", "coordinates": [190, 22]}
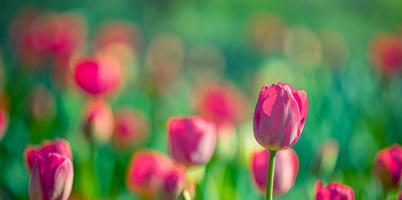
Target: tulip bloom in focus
{"type": "Point", "coordinates": [98, 75]}
{"type": "Point", "coordinates": [98, 121]}
{"type": "Point", "coordinates": [151, 175]}
{"type": "Point", "coordinates": [388, 166]}
{"type": "Point", "coordinates": [51, 170]}
{"type": "Point", "coordinates": [191, 140]}
{"type": "Point", "coordinates": [333, 191]}
{"type": "Point", "coordinates": [279, 116]}
{"type": "Point", "coordinates": [287, 166]}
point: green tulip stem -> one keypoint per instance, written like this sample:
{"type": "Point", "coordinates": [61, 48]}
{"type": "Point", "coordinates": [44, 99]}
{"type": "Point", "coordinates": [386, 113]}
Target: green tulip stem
{"type": "Point", "coordinates": [270, 176]}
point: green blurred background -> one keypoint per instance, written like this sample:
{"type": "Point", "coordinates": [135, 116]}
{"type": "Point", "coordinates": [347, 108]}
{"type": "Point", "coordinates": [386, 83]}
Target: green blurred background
{"type": "Point", "coordinates": [349, 101]}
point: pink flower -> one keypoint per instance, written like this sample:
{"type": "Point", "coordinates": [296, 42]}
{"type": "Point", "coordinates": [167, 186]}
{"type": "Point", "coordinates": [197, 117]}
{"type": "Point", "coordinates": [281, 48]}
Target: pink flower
{"type": "Point", "coordinates": [388, 166]}
{"type": "Point", "coordinates": [152, 175]}
{"type": "Point", "coordinates": [279, 116]}
{"type": "Point", "coordinates": [191, 140]}
{"type": "Point", "coordinates": [222, 103]}
{"type": "Point", "coordinates": [333, 191]}
{"type": "Point", "coordinates": [98, 75]}
{"type": "Point", "coordinates": [98, 121]}
{"type": "Point", "coordinates": [51, 170]}
{"type": "Point", "coordinates": [130, 128]}
{"type": "Point", "coordinates": [3, 121]}
{"type": "Point", "coordinates": [386, 53]}
{"type": "Point", "coordinates": [286, 168]}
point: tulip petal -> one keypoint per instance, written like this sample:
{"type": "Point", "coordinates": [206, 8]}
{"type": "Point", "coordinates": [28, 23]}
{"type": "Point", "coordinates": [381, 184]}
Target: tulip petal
{"type": "Point", "coordinates": [35, 189]}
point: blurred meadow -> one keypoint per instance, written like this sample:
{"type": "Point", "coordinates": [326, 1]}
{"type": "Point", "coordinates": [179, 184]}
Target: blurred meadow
{"type": "Point", "coordinates": [172, 54]}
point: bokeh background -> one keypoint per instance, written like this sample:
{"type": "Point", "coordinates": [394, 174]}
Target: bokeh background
{"type": "Point", "coordinates": [331, 49]}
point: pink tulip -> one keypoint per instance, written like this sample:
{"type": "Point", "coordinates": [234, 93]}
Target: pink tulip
{"type": "Point", "coordinates": [279, 116]}
{"type": "Point", "coordinates": [151, 175]}
{"type": "Point", "coordinates": [98, 75]}
{"type": "Point", "coordinates": [386, 53]}
{"type": "Point", "coordinates": [3, 121]}
{"type": "Point", "coordinates": [191, 140]}
{"type": "Point", "coordinates": [388, 166]}
{"type": "Point", "coordinates": [98, 121]}
{"type": "Point", "coordinates": [333, 191]}
{"type": "Point", "coordinates": [222, 103]}
{"type": "Point", "coordinates": [287, 166]}
{"type": "Point", "coordinates": [131, 128]}
{"type": "Point", "coordinates": [51, 170]}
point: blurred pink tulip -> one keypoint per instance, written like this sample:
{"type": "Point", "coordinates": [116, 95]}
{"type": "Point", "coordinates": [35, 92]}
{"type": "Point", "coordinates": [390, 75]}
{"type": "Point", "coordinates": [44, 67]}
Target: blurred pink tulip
{"type": "Point", "coordinates": [388, 166]}
{"type": "Point", "coordinates": [333, 191]}
{"type": "Point", "coordinates": [191, 140]}
{"type": "Point", "coordinates": [3, 121]}
{"type": "Point", "coordinates": [386, 53]}
{"type": "Point", "coordinates": [152, 175]}
{"type": "Point", "coordinates": [118, 32]}
{"type": "Point", "coordinates": [221, 102]}
{"type": "Point", "coordinates": [286, 168]}
{"type": "Point", "coordinates": [98, 121]}
{"type": "Point", "coordinates": [98, 75]}
{"type": "Point", "coordinates": [51, 170]}
{"type": "Point", "coordinates": [279, 116]}
{"type": "Point", "coordinates": [130, 128]}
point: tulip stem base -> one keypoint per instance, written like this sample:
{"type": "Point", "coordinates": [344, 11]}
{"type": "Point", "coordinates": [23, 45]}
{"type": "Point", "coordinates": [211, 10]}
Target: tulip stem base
{"type": "Point", "coordinates": [270, 176]}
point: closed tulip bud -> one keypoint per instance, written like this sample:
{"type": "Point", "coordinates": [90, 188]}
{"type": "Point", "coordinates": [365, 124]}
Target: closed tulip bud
{"type": "Point", "coordinates": [388, 166]}
{"type": "Point", "coordinates": [279, 116]}
{"type": "Point", "coordinates": [98, 75]}
{"type": "Point", "coordinates": [131, 128]}
{"type": "Point", "coordinates": [287, 166]}
{"type": "Point", "coordinates": [191, 140]}
{"type": "Point", "coordinates": [98, 121]}
{"type": "Point", "coordinates": [151, 175]}
{"type": "Point", "coordinates": [333, 191]}
{"type": "Point", "coordinates": [51, 171]}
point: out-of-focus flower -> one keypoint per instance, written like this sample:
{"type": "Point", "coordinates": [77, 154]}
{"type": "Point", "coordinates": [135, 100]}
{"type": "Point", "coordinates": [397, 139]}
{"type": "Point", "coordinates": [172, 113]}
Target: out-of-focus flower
{"type": "Point", "coordinates": [38, 36]}
{"type": "Point", "coordinates": [333, 191]}
{"type": "Point", "coordinates": [130, 128]}
{"type": "Point", "coordinates": [325, 160]}
{"type": "Point", "coordinates": [303, 47]}
{"type": "Point", "coordinates": [388, 166]}
{"type": "Point", "coordinates": [41, 103]}
{"type": "Point", "coordinates": [386, 53]}
{"type": "Point", "coordinates": [268, 33]}
{"type": "Point", "coordinates": [191, 140]}
{"type": "Point", "coordinates": [151, 175]}
{"type": "Point", "coordinates": [334, 48]}
{"type": "Point", "coordinates": [206, 63]}
{"type": "Point", "coordinates": [221, 102]}
{"type": "Point", "coordinates": [51, 170]}
{"type": "Point", "coordinates": [98, 122]}
{"type": "Point", "coordinates": [114, 32]}
{"type": "Point", "coordinates": [279, 116]}
{"type": "Point", "coordinates": [165, 59]}
{"type": "Point", "coordinates": [286, 168]}
{"type": "Point", "coordinates": [3, 117]}
{"type": "Point", "coordinates": [98, 75]}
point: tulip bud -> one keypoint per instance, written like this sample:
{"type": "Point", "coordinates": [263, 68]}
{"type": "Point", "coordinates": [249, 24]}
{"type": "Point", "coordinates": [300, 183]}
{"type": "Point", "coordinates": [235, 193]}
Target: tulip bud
{"type": "Point", "coordinates": [153, 176]}
{"type": "Point", "coordinates": [333, 191]}
{"type": "Point", "coordinates": [51, 170]}
{"type": "Point", "coordinates": [130, 128]}
{"type": "Point", "coordinates": [279, 116]}
{"type": "Point", "coordinates": [388, 166]}
{"type": "Point", "coordinates": [191, 140]}
{"type": "Point", "coordinates": [287, 166]}
{"type": "Point", "coordinates": [98, 121]}
{"type": "Point", "coordinates": [98, 75]}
